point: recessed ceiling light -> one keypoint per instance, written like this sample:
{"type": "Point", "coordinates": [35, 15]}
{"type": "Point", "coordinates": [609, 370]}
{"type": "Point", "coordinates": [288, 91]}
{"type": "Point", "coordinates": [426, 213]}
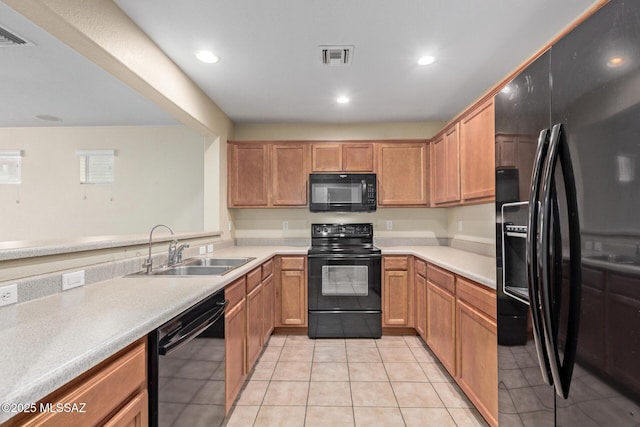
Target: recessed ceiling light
{"type": "Point", "coordinates": [207, 56]}
{"type": "Point", "coordinates": [615, 61]}
{"type": "Point", "coordinates": [426, 60]}
{"type": "Point", "coordinates": [342, 100]}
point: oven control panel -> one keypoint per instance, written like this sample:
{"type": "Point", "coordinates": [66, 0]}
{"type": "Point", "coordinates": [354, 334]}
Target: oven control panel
{"type": "Point", "coordinates": [342, 230]}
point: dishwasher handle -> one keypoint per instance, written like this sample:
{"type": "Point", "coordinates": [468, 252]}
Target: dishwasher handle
{"type": "Point", "coordinates": [186, 333]}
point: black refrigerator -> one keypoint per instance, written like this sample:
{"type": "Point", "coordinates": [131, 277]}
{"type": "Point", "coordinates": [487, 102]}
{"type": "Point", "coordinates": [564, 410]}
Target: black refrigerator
{"type": "Point", "coordinates": [568, 229]}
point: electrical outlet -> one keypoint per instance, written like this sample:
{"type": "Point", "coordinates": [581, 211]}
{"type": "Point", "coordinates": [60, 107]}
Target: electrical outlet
{"type": "Point", "coordinates": [389, 225]}
{"type": "Point", "coordinates": [203, 250]}
{"type": "Point", "coordinates": [72, 280]}
{"type": "Point", "coordinates": [285, 225]}
{"type": "Point", "coordinates": [9, 294]}
{"type": "Point", "coordinates": [459, 225]}
{"type": "Point", "coordinates": [209, 248]}
{"type": "Point", "coordinates": [230, 226]}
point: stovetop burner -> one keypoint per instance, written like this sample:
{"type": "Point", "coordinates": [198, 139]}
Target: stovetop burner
{"type": "Point", "coordinates": [342, 239]}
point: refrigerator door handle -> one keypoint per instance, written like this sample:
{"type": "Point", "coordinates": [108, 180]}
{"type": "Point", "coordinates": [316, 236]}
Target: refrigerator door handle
{"type": "Point", "coordinates": [560, 371]}
{"type": "Point", "coordinates": [533, 257]}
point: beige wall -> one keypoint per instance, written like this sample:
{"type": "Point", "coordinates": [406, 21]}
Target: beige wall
{"type": "Point", "coordinates": [406, 222]}
{"type": "Point", "coordinates": [411, 130]}
{"type": "Point", "coordinates": [473, 223]}
{"type": "Point", "coordinates": [159, 176]}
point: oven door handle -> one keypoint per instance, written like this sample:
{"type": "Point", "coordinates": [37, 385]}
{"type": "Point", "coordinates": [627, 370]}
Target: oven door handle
{"type": "Point", "coordinates": [184, 334]}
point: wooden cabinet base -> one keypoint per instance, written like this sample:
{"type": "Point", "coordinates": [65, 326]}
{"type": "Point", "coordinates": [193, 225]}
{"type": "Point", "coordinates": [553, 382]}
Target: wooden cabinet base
{"type": "Point", "coordinates": [114, 393]}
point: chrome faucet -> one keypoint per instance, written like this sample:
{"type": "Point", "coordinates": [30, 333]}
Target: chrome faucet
{"type": "Point", "coordinates": [175, 252]}
{"type": "Point", "coordinates": [148, 264]}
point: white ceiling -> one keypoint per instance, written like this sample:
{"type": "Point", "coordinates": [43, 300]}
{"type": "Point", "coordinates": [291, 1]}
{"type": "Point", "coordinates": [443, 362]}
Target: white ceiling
{"type": "Point", "coordinates": [270, 68]}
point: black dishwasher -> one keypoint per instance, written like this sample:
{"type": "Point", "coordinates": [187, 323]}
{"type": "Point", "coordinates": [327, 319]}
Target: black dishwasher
{"type": "Point", "coordinates": [186, 369]}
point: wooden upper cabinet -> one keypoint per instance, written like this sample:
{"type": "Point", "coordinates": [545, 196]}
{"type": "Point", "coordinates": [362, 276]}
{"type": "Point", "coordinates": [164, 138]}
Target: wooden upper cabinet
{"type": "Point", "coordinates": [248, 175]}
{"type": "Point", "coordinates": [357, 157]}
{"type": "Point", "coordinates": [263, 174]}
{"type": "Point", "coordinates": [326, 157]}
{"type": "Point", "coordinates": [342, 157]}
{"type": "Point", "coordinates": [403, 174]}
{"type": "Point", "coordinates": [477, 154]}
{"type": "Point", "coordinates": [445, 167]}
{"type": "Point", "coordinates": [289, 174]}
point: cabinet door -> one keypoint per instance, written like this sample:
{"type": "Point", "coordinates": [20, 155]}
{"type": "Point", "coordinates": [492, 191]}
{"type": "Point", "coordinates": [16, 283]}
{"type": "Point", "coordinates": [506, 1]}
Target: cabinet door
{"type": "Point", "coordinates": [396, 298]}
{"type": "Point", "coordinates": [357, 157]}
{"type": "Point", "coordinates": [403, 174]}
{"type": "Point", "coordinates": [421, 306]}
{"type": "Point", "coordinates": [134, 414]}
{"type": "Point", "coordinates": [452, 171]}
{"type": "Point", "coordinates": [268, 299]}
{"type": "Point", "coordinates": [438, 171]}
{"type": "Point", "coordinates": [326, 157]}
{"type": "Point", "coordinates": [289, 174]}
{"type": "Point", "coordinates": [441, 332]}
{"type": "Point", "coordinates": [477, 359]}
{"type": "Point", "coordinates": [254, 325]}
{"type": "Point", "coordinates": [235, 355]}
{"type": "Point", "coordinates": [291, 292]}
{"type": "Point", "coordinates": [477, 154]}
{"type": "Point", "coordinates": [248, 175]}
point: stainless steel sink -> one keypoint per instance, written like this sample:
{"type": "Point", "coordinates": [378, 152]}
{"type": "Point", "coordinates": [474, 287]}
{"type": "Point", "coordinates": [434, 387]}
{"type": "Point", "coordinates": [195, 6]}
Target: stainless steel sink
{"type": "Point", "coordinates": [191, 270]}
{"type": "Point", "coordinates": [198, 267]}
{"type": "Point", "coordinates": [212, 262]}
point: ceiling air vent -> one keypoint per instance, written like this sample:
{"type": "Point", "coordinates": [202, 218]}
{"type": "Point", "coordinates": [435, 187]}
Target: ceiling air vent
{"type": "Point", "coordinates": [9, 38]}
{"type": "Point", "coordinates": [336, 55]}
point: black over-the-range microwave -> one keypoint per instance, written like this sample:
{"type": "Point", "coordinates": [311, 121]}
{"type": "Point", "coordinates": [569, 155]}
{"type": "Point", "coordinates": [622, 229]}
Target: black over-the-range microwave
{"type": "Point", "coordinates": [346, 192]}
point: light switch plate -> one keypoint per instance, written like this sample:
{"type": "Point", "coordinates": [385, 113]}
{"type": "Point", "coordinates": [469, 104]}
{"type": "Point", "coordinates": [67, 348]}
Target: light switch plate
{"type": "Point", "coordinates": [203, 250]}
{"type": "Point", "coordinates": [389, 225]}
{"type": "Point", "coordinates": [9, 294]}
{"type": "Point", "coordinates": [72, 280]}
{"type": "Point", "coordinates": [209, 248]}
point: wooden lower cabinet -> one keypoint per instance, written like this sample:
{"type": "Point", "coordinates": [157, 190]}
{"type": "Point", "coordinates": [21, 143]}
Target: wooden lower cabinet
{"type": "Point", "coordinates": [477, 348]}
{"type": "Point", "coordinates": [134, 414]}
{"type": "Point", "coordinates": [255, 317]}
{"type": "Point", "coordinates": [420, 301]}
{"type": "Point", "coordinates": [291, 291]}
{"type": "Point", "coordinates": [268, 307]}
{"type": "Point", "coordinates": [397, 295]}
{"type": "Point", "coordinates": [235, 351]}
{"type": "Point", "coordinates": [114, 393]}
{"type": "Point", "coordinates": [441, 331]}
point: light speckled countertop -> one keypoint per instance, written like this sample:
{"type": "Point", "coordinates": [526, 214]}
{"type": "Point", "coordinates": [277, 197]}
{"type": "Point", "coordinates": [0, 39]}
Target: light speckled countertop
{"type": "Point", "coordinates": [49, 341]}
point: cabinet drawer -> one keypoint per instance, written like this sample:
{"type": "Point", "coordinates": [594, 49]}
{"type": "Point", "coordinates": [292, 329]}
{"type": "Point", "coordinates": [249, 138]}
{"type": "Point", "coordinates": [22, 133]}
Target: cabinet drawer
{"type": "Point", "coordinates": [292, 263]}
{"type": "Point", "coordinates": [235, 291]}
{"type": "Point", "coordinates": [441, 278]}
{"type": "Point", "coordinates": [267, 269]}
{"type": "Point", "coordinates": [421, 267]}
{"type": "Point", "coordinates": [395, 262]}
{"type": "Point", "coordinates": [477, 296]}
{"type": "Point", "coordinates": [103, 390]}
{"type": "Point", "coordinates": [253, 279]}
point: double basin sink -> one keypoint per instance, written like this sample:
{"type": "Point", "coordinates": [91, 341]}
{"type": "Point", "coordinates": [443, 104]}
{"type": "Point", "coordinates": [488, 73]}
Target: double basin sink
{"type": "Point", "coordinates": [199, 267]}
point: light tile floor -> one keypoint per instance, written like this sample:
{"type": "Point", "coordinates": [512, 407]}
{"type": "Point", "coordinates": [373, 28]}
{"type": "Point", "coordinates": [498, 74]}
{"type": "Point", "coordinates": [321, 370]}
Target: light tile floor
{"type": "Point", "coordinates": [393, 381]}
